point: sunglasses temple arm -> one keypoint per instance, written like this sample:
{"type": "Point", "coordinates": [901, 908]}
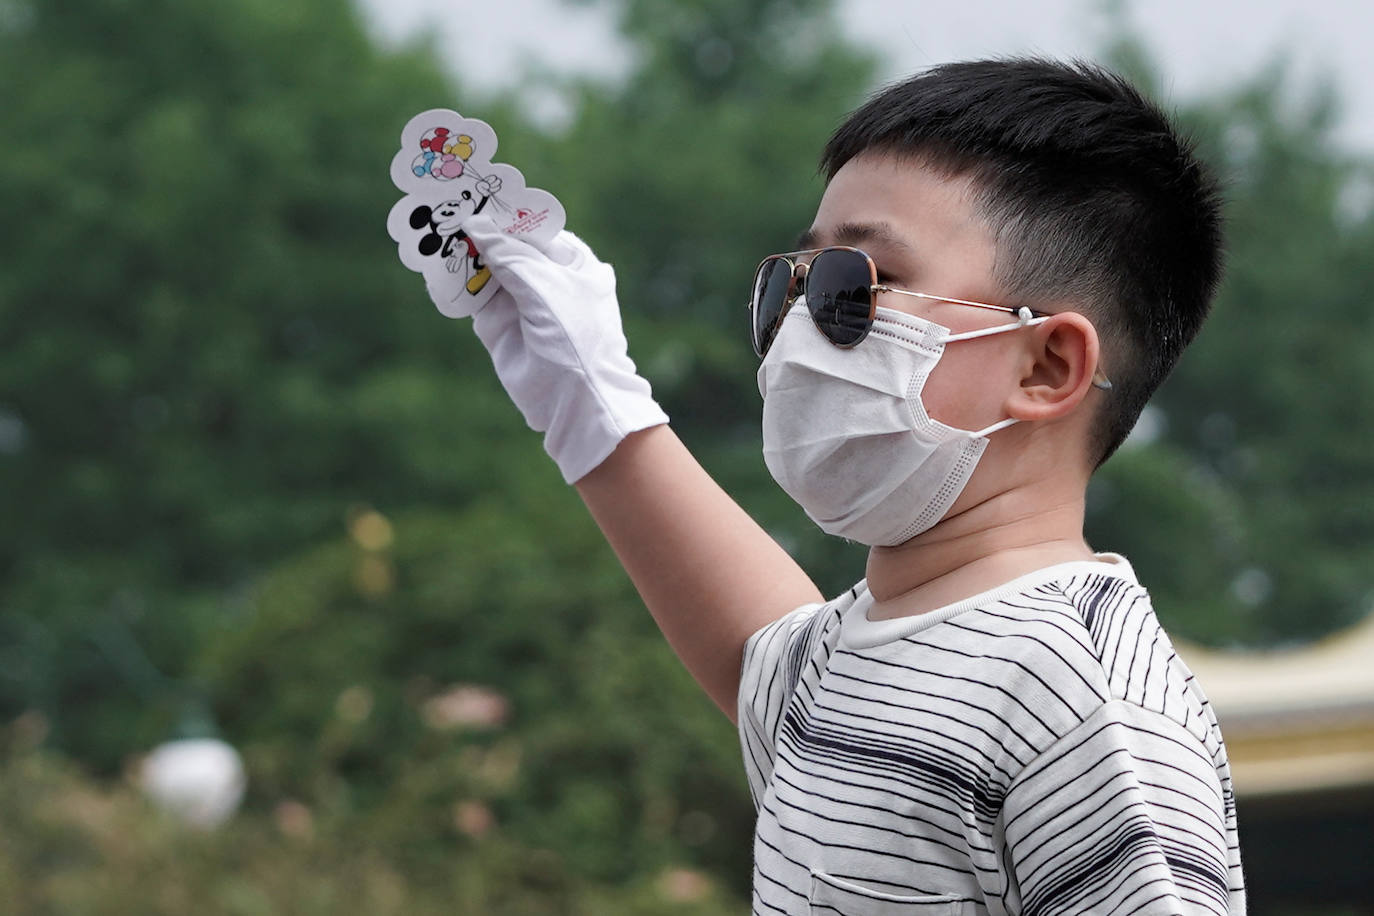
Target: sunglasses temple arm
{"type": "Point", "coordinates": [996, 329]}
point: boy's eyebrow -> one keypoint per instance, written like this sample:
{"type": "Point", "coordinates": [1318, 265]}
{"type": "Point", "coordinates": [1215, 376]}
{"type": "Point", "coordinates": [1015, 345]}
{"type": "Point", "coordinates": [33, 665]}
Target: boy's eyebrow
{"type": "Point", "coordinates": [855, 234]}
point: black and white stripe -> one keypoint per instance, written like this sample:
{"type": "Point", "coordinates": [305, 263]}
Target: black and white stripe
{"type": "Point", "coordinates": [1038, 749]}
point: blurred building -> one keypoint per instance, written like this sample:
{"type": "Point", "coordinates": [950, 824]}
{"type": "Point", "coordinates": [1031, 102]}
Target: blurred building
{"type": "Point", "coordinates": [1299, 727]}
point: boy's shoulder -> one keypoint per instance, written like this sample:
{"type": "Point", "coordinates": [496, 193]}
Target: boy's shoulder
{"type": "Point", "coordinates": [1063, 641]}
{"type": "Point", "coordinates": [1066, 638]}
{"type": "Point", "coordinates": [1023, 665]}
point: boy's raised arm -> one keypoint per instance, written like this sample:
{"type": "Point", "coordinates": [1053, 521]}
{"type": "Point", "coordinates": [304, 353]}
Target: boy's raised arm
{"type": "Point", "coordinates": [707, 572]}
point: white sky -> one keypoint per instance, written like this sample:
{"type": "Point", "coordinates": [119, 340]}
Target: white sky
{"type": "Point", "coordinates": [1199, 44]}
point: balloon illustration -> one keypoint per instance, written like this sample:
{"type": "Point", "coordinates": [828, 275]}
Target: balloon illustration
{"type": "Point", "coordinates": [442, 155]}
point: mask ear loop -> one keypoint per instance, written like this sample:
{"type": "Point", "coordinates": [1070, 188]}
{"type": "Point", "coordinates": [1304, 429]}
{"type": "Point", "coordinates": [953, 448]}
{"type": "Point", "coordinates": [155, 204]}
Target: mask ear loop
{"type": "Point", "coordinates": [1024, 319]}
{"type": "Point", "coordinates": [989, 430]}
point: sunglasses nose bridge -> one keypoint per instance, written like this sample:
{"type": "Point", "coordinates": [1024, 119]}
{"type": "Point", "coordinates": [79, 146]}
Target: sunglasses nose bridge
{"type": "Point", "coordinates": [800, 269]}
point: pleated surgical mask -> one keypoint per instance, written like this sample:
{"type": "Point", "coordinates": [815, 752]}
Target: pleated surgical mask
{"type": "Point", "coordinates": [845, 432]}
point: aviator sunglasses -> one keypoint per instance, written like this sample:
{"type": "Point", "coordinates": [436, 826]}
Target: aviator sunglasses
{"type": "Point", "coordinates": [840, 284]}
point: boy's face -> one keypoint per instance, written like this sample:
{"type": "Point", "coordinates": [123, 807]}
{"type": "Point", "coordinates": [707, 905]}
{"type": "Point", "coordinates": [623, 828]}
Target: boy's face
{"type": "Point", "coordinates": [922, 230]}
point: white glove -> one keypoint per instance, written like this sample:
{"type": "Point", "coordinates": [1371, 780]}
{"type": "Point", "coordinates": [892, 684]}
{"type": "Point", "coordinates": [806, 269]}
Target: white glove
{"type": "Point", "coordinates": [554, 335]}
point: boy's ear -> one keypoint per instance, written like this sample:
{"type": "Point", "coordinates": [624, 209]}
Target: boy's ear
{"type": "Point", "coordinates": [1057, 372]}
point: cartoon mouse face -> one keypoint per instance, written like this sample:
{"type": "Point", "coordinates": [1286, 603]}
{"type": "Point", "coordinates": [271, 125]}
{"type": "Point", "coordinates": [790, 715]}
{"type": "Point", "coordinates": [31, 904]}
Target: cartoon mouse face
{"type": "Point", "coordinates": [442, 221]}
{"type": "Point", "coordinates": [447, 215]}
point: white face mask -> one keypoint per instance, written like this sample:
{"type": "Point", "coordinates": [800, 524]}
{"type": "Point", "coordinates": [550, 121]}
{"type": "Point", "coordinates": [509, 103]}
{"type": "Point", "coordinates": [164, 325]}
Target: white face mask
{"type": "Point", "coordinates": [845, 433]}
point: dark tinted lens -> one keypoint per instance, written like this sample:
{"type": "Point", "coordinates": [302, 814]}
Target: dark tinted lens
{"type": "Point", "coordinates": [771, 287]}
{"type": "Point", "coordinates": [839, 295]}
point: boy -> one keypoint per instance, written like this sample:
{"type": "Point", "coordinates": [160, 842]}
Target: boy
{"type": "Point", "coordinates": [1007, 260]}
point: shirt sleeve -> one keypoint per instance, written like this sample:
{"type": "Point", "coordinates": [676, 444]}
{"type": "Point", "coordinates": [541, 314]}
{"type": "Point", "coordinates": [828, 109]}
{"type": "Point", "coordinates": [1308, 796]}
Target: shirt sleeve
{"type": "Point", "coordinates": [1124, 814]}
{"type": "Point", "coordinates": [773, 661]}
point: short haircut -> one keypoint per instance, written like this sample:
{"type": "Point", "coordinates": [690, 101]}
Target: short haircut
{"type": "Point", "coordinates": [1093, 198]}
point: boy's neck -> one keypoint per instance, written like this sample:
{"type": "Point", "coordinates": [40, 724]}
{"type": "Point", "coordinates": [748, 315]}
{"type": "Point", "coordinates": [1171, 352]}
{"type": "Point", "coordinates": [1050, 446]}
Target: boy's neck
{"type": "Point", "coordinates": [987, 545]}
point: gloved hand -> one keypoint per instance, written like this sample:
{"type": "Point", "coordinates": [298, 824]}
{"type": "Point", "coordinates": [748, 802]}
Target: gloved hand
{"type": "Point", "coordinates": [554, 335]}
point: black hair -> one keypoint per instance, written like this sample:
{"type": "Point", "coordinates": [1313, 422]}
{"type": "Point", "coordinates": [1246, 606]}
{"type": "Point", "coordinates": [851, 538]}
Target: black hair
{"type": "Point", "coordinates": [1093, 198]}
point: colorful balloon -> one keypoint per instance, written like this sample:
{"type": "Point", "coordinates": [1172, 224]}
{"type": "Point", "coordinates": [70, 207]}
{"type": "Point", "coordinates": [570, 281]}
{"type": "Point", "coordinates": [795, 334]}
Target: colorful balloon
{"type": "Point", "coordinates": [443, 154]}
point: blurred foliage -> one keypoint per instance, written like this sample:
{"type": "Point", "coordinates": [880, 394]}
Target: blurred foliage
{"type": "Point", "coordinates": [73, 846]}
{"type": "Point", "coordinates": [337, 679]}
{"type": "Point", "coordinates": [256, 484]}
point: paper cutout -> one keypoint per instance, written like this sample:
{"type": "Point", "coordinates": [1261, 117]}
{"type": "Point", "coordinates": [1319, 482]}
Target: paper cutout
{"type": "Point", "coordinates": [444, 166]}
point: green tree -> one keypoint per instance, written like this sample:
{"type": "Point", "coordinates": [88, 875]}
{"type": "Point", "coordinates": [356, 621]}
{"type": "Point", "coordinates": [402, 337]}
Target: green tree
{"type": "Point", "coordinates": [211, 351]}
{"type": "Point", "coordinates": [601, 749]}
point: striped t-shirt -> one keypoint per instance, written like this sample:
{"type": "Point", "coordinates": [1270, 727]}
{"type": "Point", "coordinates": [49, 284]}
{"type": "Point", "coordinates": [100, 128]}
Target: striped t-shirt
{"type": "Point", "coordinates": [1036, 749]}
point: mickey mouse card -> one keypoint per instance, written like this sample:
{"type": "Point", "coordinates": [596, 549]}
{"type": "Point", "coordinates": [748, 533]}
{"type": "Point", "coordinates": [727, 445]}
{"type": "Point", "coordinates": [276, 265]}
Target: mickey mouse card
{"type": "Point", "coordinates": [445, 167]}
